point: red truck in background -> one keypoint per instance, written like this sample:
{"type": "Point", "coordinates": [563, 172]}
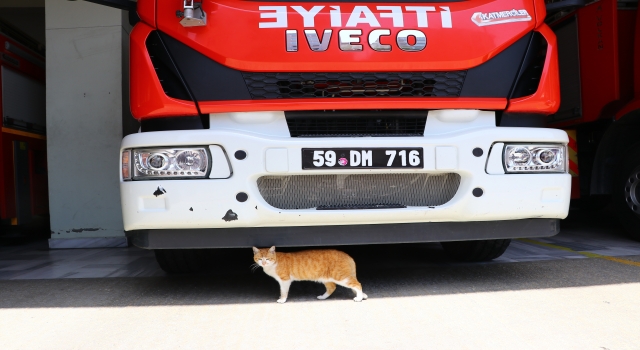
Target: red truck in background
{"type": "Point", "coordinates": [24, 203]}
{"type": "Point", "coordinates": [599, 59]}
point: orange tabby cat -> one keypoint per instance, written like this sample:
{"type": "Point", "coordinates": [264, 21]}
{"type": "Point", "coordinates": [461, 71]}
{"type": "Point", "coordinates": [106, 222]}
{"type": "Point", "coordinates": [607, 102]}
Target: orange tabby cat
{"type": "Point", "coordinates": [330, 267]}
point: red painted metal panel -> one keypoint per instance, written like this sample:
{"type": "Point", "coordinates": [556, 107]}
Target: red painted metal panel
{"type": "Point", "coordinates": [628, 108]}
{"type": "Point", "coordinates": [599, 70]}
{"type": "Point", "coordinates": [635, 66]}
{"type": "Point", "coordinates": [17, 62]}
{"type": "Point", "coordinates": [353, 103]}
{"type": "Point", "coordinates": [626, 31]}
{"type": "Point", "coordinates": [37, 145]}
{"type": "Point", "coordinates": [147, 11]}
{"type": "Point", "coordinates": [38, 177]}
{"type": "Point", "coordinates": [241, 43]}
{"type": "Point", "coordinates": [3, 168]}
{"type": "Point", "coordinates": [8, 183]}
{"type": "Point", "coordinates": [541, 12]}
{"type": "Point", "coordinates": [636, 57]}
{"type": "Point", "coordinates": [147, 96]}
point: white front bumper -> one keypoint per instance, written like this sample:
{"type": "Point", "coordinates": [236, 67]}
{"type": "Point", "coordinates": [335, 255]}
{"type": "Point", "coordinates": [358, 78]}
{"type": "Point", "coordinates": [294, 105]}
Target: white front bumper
{"type": "Point", "coordinates": [202, 203]}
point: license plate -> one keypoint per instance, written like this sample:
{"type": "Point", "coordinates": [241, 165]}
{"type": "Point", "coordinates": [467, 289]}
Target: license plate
{"type": "Point", "coordinates": [361, 158]}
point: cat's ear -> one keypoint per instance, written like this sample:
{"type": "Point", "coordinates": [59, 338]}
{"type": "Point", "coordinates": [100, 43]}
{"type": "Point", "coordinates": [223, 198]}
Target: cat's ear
{"type": "Point", "coordinates": [255, 250]}
{"type": "Point", "coordinates": [272, 249]}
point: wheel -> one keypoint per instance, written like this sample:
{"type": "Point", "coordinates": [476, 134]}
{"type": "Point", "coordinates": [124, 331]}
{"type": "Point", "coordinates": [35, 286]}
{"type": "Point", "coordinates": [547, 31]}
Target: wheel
{"type": "Point", "coordinates": [475, 251]}
{"type": "Point", "coordinates": [181, 260]}
{"type": "Point", "coordinates": [626, 193]}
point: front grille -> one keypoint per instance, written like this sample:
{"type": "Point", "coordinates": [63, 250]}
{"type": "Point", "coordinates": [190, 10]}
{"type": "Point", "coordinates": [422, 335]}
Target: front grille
{"type": "Point", "coordinates": [356, 123]}
{"type": "Point", "coordinates": [358, 191]}
{"type": "Point", "coordinates": [532, 66]}
{"type": "Point", "coordinates": [165, 69]}
{"type": "Point", "coordinates": [339, 84]}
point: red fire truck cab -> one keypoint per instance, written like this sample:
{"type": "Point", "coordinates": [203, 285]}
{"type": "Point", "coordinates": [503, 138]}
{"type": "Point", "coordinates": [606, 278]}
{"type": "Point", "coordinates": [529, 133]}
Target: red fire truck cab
{"type": "Point", "coordinates": [599, 55]}
{"type": "Point", "coordinates": [310, 123]}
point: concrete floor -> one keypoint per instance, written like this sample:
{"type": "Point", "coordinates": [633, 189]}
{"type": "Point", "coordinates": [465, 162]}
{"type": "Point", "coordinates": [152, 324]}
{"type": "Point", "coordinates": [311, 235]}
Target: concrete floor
{"type": "Point", "coordinates": [579, 290]}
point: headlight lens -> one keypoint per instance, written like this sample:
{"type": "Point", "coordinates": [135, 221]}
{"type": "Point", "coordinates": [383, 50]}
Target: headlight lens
{"type": "Point", "coordinates": [164, 163]}
{"type": "Point", "coordinates": [535, 158]}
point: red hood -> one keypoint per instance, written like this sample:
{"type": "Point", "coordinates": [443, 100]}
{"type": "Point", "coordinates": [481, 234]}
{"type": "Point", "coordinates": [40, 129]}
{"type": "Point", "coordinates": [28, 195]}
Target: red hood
{"type": "Point", "coordinates": [478, 30]}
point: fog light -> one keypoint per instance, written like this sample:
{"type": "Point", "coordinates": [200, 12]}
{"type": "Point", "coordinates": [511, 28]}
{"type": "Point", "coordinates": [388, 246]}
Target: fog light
{"type": "Point", "coordinates": [535, 158]}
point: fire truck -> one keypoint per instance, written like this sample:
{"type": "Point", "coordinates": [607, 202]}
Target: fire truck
{"type": "Point", "coordinates": [24, 204]}
{"type": "Point", "coordinates": [599, 59]}
{"type": "Point", "coordinates": [309, 123]}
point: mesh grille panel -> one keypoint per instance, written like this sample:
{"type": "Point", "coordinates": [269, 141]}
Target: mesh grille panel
{"type": "Point", "coordinates": [338, 84]}
{"type": "Point", "coordinates": [312, 191]}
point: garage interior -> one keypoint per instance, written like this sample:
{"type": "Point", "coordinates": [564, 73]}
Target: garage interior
{"type": "Point", "coordinates": [68, 271]}
{"type": "Point", "coordinates": [85, 113]}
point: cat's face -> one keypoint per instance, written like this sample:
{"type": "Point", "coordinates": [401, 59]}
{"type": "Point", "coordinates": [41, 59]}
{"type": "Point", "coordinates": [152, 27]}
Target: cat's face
{"type": "Point", "coordinates": [264, 257]}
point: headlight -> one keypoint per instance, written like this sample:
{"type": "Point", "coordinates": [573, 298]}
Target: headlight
{"type": "Point", "coordinates": [169, 163]}
{"type": "Point", "coordinates": [534, 158]}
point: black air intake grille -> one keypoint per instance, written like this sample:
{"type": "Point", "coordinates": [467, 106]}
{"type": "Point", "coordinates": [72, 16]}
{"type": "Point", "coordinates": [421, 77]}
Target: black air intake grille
{"type": "Point", "coordinates": [336, 85]}
{"type": "Point", "coordinates": [361, 191]}
{"type": "Point", "coordinates": [356, 123]}
{"type": "Point", "coordinates": [532, 67]}
{"type": "Point", "coordinates": [166, 71]}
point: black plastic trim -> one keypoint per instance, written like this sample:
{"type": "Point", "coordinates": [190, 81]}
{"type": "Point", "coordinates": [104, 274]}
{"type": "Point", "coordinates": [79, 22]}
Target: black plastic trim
{"type": "Point", "coordinates": [531, 68]}
{"type": "Point", "coordinates": [172, 123]}
{"type": "Point", "coordinates": [356, 123]}
{"type": "Point", "coordinates": [356, 113]}
{"type": "Point", "coordinates": [521, 120]}
{"type": "Point", "coordinates": [207, 79]}
{"type": "Point", "coordinates": [560, 5]}
{"type": "Point", "coordinates": [342, 235]}
{"type": "Point", "coordinates": [368, 1]}
{"type": "Point", "coordinates": [361, 206]}
{"type": "Point", "coordinates": [292, 85]}
{"type": "Point", "coordinates": [166, 70]}
{"type": "Point", "coordinates": [496, 77]}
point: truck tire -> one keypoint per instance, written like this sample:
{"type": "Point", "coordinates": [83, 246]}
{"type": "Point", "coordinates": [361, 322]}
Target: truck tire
{"type": "Point", "coordinates": [476, 251]}
{"type": "Point", "coordinates": [180, 260]}
{"type": "Point", "coordinates": [626, 193]}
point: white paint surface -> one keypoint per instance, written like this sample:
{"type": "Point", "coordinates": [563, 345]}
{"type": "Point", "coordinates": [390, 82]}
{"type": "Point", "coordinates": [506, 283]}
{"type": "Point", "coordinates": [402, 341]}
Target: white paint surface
{"type": "Point", "coordinates": [267, 153]}
{"type": "Point", "coordinates": [219, 163]}
{"type": "Point", "coordinates": [277, 160]}
{"type": "Point", "coordinates": [446, 158]}
{"type": "Point", "coordinates": [495, 164]}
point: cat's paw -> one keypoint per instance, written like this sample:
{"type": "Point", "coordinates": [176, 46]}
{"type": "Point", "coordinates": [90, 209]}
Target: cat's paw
{"type": "Point", "coordinates": [323, 296]}
{"type": "Point", "coordinates": [357, 299]}
{"type": "Point", "coordinates": [282, 300]}
{"type": "Point", "coordinates": [364, 296]}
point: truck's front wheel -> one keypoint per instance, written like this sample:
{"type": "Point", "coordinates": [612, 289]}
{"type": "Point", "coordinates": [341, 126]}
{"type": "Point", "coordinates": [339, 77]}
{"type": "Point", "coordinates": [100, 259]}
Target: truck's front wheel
{"type": "Point", "coordinates": [626, 196]}
{"type": "Point", "coordinates": [475, 251]}
{"type": "Point", "coordinates": [180, 260]}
